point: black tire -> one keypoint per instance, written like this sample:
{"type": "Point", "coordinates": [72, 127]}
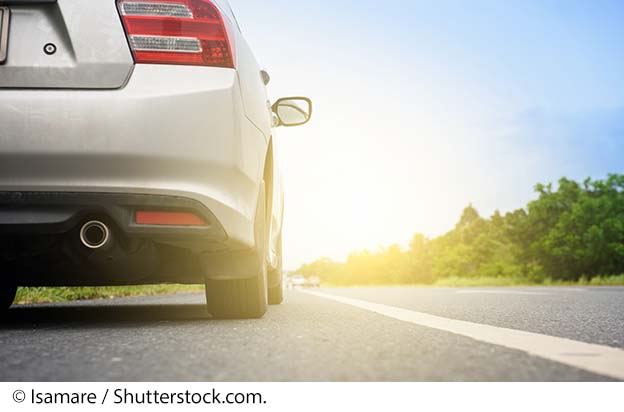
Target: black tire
{"type": "Point", "coordinates": [276, 278]}
{"type": "Point", "coordinates": [244, 298]}
{"type": "Point", "coordinates": [7, 296]}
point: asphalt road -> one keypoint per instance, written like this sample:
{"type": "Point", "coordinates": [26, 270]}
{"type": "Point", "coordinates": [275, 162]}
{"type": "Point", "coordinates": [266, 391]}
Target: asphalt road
{"type": "Point", "coordinates": [315, 338]}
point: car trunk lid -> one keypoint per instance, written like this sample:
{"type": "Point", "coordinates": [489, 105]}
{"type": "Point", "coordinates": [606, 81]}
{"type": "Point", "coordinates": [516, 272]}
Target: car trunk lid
{"type": "Point", "coordinates": [64, 44]}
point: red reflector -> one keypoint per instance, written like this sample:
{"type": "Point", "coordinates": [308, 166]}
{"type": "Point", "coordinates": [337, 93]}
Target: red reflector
{"type": "Point", "coordinates": [183, 32]}
{"type": "Point", "coordinates": [168, 219]}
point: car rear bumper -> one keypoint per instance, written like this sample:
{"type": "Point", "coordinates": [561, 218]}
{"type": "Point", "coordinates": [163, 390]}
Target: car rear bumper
{"type": "Point", "coordinates": [55, 213]}
{"type": "Point", "coordinates": [41, 240]}
{"type": "Point", "coordinates": [172, 133]}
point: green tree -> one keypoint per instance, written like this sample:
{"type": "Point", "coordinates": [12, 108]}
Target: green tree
{"type": "Point", "coordinates": [571, 231]}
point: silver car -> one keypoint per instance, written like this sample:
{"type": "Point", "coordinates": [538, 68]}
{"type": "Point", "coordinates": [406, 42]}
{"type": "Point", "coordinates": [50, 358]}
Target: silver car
{"type": "Point", "coordinates": [136, 147]}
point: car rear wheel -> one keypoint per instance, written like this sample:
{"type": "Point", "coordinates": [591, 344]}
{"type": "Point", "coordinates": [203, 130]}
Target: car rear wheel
{"type": "Point", "coordinates": [276, 278]}
{"type": "Point", "coordinates": [7, 295]}
{"type": "Point", "coordinates": [244, 298]}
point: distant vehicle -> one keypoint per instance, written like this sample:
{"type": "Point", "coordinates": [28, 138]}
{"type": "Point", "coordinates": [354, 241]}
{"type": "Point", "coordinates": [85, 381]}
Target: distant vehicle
{"type": "Point", "coordinates": [137, 148]}
{"type": "Point", "coordinates": [300, 281]}
{"type": "Point", "coordinates": [314, 282]}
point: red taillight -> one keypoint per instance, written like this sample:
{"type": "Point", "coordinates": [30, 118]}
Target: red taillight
{"type": "Point", "coordinates": [184, 32]}
{"type": "Point", "coordinates": [168, 219]}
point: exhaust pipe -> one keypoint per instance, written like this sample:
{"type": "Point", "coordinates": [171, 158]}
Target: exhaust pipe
{"type": "Point", "coordinates": [94, 234]}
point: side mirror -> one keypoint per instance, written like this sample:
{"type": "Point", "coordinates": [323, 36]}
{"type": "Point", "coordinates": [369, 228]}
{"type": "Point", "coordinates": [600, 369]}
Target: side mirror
{"type": "Point", "coordinates": [293, 111]}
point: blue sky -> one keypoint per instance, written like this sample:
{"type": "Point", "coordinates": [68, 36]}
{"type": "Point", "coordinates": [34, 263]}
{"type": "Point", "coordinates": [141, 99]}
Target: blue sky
{"type": "Point", "coordinates": [423, 107]}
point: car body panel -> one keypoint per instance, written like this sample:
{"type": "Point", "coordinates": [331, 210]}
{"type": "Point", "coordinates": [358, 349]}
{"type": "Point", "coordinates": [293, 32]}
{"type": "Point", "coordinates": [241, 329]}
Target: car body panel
{"type": "Point", "coordinates": [188, 137]}
{"type": "Point", "coordinates": [253, 92]}
{"type": "Point", "coordinates": [90, 46]}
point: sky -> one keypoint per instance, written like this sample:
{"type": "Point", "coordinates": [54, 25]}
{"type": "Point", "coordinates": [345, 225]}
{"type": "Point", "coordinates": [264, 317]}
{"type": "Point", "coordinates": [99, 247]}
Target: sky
{"type": "Point", "coordinates": [423, 107]}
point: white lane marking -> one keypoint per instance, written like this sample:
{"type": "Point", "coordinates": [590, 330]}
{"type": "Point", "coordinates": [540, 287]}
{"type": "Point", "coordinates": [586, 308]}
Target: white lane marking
{"type": "Point", "coordinates": [499, 292]}
{"type": "Point", "coordinates": [602, 360]}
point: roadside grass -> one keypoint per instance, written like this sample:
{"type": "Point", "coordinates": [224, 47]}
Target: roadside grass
{"type": "Point", "coordinates": [456, 281]}
{"type": "Point", "coordinates": [50, 295]}
{"type": "Point", "coordinates": [523, 281]}
{"type": "Point", "coordinates": [604, 281]}
{"type": "Point", "coordinates": [460, 282]}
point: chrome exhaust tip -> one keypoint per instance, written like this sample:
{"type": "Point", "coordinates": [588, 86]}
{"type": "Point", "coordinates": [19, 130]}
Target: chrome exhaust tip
{"type": "Point", "coordinates": [94, 234]}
